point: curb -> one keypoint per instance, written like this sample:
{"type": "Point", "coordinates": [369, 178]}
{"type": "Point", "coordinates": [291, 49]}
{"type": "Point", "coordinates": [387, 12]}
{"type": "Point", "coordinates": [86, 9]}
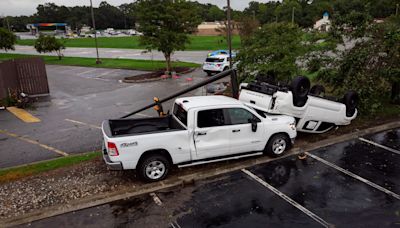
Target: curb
{"type": "Point", "coordinates": [181, 181]}
{"type": "Point", "coordinates": [155, 79]}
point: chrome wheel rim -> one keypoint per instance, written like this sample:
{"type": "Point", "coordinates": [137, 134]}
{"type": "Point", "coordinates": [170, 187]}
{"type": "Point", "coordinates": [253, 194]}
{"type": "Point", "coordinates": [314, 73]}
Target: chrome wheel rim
{"type": "Point", "coordinates": [279, 146]}
{"type": "Point", "coordinates": [155, 170]}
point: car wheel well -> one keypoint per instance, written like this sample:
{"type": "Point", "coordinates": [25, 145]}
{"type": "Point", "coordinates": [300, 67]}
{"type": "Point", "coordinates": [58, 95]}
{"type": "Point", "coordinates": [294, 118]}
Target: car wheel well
{"type": "Point", "coordinates": [279, 133]}
{"type": "Point", "coordinates": [162, 152]}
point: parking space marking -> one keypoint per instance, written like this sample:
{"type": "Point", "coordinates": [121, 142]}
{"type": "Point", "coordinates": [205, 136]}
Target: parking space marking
{"type": "Point", "coordinates": [35, 143]}
{"type": "Point", "coordinates": [82, 123]}
{"type": "Point", "coordinates": [379, 145]}
{"type": "Point", "coordinates": [23, 115]}
{"type": "Point", "coordinates": [355, 176]}
{"type": "Point", "coordinates": [288, 199]}
{"type": "Point", "coordinates": [175, 225]}
{"type": "Point", "coordinates": [156, 199]}
{"type": "Point", "coordinates": [144, 115]}
{"type": "Point", "coordinates": [85, 72]}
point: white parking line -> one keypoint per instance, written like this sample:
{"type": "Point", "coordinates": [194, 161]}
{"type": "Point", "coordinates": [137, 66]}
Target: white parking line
{"type": "Point", "coordinates": [85, 72]}
{"type": "Point", "coordinates": [355, 176]}
{"type": "Point", "coordinates": [82, 123]}
{"type": "Point", "coordinates": [381, 146]}
{"type": "Point", "coordinates": [175, 225]}
{"type": "Point", "coordinates": [288, 199]}
{"type": "Point", "coordinates": [156, 199]}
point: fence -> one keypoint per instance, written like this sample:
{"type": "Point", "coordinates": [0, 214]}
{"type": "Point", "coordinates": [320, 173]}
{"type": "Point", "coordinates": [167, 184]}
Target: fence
{"type": "Point", "coordinates": [26, 75]}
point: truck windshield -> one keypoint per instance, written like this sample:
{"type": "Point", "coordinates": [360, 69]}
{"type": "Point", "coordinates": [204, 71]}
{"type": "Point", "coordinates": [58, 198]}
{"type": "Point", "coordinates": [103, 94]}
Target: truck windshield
{"type": "Point", "coordinates": [180, 113]}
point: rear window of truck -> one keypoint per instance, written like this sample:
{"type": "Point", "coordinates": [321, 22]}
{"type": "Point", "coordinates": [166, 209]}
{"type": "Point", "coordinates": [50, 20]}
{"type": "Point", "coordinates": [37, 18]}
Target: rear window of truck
{"type": "Point", "coordinates": [180, 113]}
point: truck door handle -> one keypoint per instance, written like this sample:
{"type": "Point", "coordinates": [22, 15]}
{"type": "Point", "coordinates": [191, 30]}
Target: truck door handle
{"type": "Point", "coordinates": [237, 130]}
{"type": "Point", "coordinates": [201, 133]}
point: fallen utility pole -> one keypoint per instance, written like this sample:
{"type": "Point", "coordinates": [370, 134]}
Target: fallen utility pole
{"type": "Point", "coordinates": [193, 87]}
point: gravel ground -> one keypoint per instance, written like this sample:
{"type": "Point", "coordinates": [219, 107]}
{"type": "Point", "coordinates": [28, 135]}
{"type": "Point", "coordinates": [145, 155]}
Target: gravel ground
{"type": "Point", "coordinates": [60, 187]}
{"type": "Point", "coordinates": [90, 178]}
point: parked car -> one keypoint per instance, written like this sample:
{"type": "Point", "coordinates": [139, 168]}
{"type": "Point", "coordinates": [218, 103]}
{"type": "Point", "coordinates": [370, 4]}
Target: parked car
{"type": "Point", "coordinates": [200, 130]}
{"type": "Point", "coordinates": [216, 64]}
{"type": "Point", "coordinates": [314, 112]}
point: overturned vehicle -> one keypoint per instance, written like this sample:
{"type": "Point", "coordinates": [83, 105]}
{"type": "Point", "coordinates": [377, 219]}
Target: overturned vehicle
{"type": "Point", "coordinates": [314, 112]}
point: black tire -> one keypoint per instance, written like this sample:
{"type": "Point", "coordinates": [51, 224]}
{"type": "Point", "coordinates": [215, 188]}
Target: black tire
{"type": "Point", "coordinates": [350, 99]}
{"type": "Point", "coordinates": [159, 163]}
{"type": "Point", "coordinates": [275, 144]}
{"type": "Point", "coordinates": [317, 90]}
{"type": "Point", "coordinates": [209, 73]}
{"type": "Point", "coordinates": [226, 68]}
{"type": "Point", "coordinates": [300, 87]}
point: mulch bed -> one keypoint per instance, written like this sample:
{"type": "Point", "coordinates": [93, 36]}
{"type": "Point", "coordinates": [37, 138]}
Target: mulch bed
{"type": "Point", "coordinates": [155, 75]}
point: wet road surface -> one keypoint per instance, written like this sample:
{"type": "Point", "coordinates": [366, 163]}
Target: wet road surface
{"type": "Point", "coordinates": [287, 192]}
{"type": "Point", "coordinates": [80, 99]}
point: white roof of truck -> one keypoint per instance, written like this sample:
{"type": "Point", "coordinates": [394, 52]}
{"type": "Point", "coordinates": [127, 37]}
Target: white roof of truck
{"type": "Point", "coordinates": [204, 101]}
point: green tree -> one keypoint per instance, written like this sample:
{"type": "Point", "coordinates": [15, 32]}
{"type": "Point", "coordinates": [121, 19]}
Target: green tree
{"type": "Point", "coordinates": [273, 51]}
{"type": "Point", "coordinates": [371, 67]}
{"type": "Point", "coordinates": [7, 40]}
{"type": "Point", "coordinates": [45, 44]}
{"type": "Point", "coordinates": [166, 25]}
{"type": "Point", "coordinates": [247, 27]}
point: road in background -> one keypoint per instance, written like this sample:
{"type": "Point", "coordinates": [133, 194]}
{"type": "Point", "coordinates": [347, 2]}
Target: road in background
{"type": "Point", "coordinates": [184, 56]}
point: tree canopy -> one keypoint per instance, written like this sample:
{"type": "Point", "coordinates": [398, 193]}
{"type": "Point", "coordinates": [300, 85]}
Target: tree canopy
{"type": "Point", "coordinates": [45, 44]}
{"type": "Point", "coordinates": [166, 25]}
{"type": "Point", "coordinates": [7, 40]}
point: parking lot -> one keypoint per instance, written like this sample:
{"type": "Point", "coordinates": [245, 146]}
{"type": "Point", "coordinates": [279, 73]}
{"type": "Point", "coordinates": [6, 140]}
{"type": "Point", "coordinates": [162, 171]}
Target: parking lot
{"type": "Point", "coordinates": [349, 184]}
{"type": "Point", "coordinates": [80, 99]}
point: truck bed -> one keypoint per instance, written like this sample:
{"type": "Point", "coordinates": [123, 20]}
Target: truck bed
{"type": "Point", "coordinates": [119, 127]}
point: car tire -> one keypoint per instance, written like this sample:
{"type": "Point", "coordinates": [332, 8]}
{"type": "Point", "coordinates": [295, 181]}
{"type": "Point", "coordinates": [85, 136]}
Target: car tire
{"type": "Point", "coordinates": [300, 87]}
{"type": "Point", "coordinates": [277, 145]}
{"type": "Point", "coordinates": [209, 73]}
{"type": "Point", "coordinates": [350, 99]}
{"type": "Point", "coordinates": [153, 168]}
{"type": "Point", "coordinates": [226, 68]}
{"type": "Point", "coordinates": [317, 90]}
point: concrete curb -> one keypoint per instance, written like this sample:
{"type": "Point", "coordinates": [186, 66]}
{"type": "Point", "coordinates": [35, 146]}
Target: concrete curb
{"type": "Point", "coordinates": [154, 79]}
{"type": "Point", "coordinates": [181, 181]}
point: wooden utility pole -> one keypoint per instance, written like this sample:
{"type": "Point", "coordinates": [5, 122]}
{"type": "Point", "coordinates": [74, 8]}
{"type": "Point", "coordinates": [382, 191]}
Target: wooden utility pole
{"type": "Point", "coordinates": [234, 82]}
{"type": "Point", "coordinates": [98, 61]}
{"type": "Point", "coordinates": [397, 9]}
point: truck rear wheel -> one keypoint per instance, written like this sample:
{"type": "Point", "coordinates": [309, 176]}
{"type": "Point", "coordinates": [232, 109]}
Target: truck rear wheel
{"type": "Point", "coordinates": [277, 145]}
{"type": "Point", "coordinates": [300, 87]}
{"type": "Point", "coordinates": [153, 168]}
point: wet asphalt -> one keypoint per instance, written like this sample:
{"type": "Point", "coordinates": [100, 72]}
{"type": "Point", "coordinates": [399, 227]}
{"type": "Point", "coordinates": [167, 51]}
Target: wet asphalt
{"type": "Point", "coordinates": [80, 99]}
{"type": "Point", "coordinates": [239, 200]}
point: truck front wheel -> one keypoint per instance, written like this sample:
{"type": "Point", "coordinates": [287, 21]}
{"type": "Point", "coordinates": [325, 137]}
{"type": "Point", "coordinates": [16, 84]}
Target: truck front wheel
{"type": "Point", "coordinates": [153, 168]}
{"type": "Point", "coordinates": [277, 145]}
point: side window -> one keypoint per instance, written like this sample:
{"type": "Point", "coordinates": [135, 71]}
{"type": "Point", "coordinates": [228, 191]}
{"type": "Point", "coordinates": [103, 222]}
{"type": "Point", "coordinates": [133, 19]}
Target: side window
{"type": "Point", "coordinates": [240, 116]}
{"type": "Point", "coordinates": [210, 118]}
{"type": "Point", "coordinates": [180, 113]}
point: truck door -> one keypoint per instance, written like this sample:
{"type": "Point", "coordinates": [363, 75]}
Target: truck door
{"type": "Point", "coordinates": [242, 138]}
{"type": "Point", "coordinates": [211, 136]}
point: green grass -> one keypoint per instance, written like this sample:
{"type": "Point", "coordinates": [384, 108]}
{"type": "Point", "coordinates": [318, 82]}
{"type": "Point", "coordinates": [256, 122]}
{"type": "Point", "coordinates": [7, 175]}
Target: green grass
{"type": "Point", "coordinates": [9, 174]}
{"type": "Point", "coordinates": [207, 43]}
{"type": "Point", "coordinates": [106, 63]}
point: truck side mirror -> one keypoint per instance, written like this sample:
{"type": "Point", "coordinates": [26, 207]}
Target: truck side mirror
{"type": "Point", "coordinates": [253, 125]}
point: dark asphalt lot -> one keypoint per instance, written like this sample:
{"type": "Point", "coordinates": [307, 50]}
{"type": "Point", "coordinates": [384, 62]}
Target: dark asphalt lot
{"type": "Point", "coordinates": [313, 192]}
{"type": "Point", "coordinates": [81, 98]}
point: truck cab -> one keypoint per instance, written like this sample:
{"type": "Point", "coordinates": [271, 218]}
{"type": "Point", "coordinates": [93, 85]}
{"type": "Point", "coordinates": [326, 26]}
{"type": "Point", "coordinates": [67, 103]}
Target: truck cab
{"type": "Point", "coordinates": [200, 130]}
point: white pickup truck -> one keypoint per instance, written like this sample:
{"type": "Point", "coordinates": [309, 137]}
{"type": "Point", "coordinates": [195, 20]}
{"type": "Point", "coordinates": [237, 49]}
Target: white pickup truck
{"type": "Point", "coordinates": [200, 130]}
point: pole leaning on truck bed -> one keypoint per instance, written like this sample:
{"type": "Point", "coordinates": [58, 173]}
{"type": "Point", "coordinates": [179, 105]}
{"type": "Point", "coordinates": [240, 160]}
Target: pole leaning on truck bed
{"type": "Point", "coordinates": [193, 87]}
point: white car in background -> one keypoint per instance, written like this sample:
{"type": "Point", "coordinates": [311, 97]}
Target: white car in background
{"type": "Point", "coordinates": [216, 64]}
